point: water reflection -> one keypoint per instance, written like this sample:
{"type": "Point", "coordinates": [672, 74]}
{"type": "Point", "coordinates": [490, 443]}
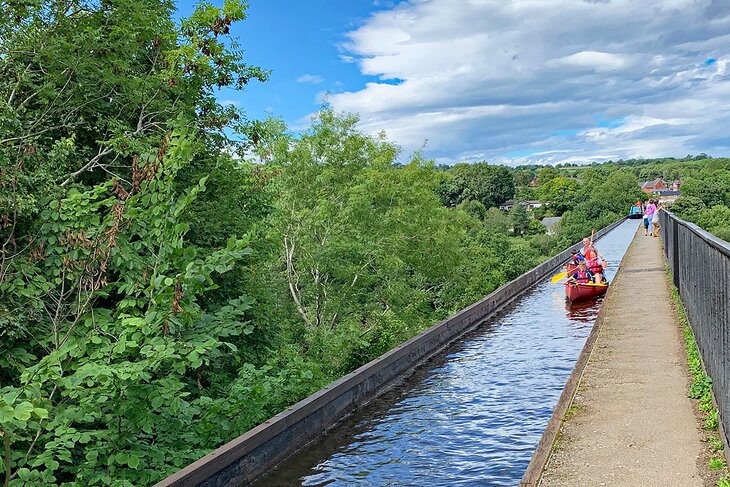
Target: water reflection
{"type": "Point", "coordinates": [471, 416]}
{"type": "Point", "coordinates": [583, 312]}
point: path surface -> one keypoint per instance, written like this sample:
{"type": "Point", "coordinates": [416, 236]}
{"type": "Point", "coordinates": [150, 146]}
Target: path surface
{"type": "Point", "coordinates": [631, 423]}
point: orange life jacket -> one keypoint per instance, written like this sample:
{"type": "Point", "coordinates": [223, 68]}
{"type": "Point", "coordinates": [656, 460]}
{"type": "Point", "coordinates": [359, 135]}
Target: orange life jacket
{"type": "Point", "coordinates": [594, 265]}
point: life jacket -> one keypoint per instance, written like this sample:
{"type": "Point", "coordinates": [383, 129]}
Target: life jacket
{"type": "Point", "coordinates": [582, 276]}
{"type": "Point", "coordinates": [594, 265]}
{"type": "Point", "coordinates": [577, 258]}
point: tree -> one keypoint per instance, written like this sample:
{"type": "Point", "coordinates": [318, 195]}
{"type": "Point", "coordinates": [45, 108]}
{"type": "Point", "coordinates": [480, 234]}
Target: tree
{"type": "Point", "coordinates": [475, 209]}
{"type": "Point", "coordinates": [115, 336]}
{"type": "Point", "coordinates": [716, 220]}
{"type": "Point", "coordinates": [497, 221]}
{"type": "Point", "coordinates": [522, 178]}
{"type": "Point", "coordinates": [560, 192]}
{"type": "Point", "coordinates": [520, 219]}
{"type": "Point", "coordinates": [618, 192]}
{"type": "Point", "coordinates": [489, 185]}
{"type": "Point", "coordinates": [546, 174]}
{"type": "Point", "coordinates": [87, 86]}
{"type": "Point", "coordinates": [366, 246]}
{"type": "Point", "coordinates": [688, 207]}
{"type": "Point", "coordinates": [121, 371]}
{"type": "Point", "coordinates": [712, 187]}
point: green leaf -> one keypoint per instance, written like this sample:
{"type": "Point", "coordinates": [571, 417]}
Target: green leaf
{"type": "Point", "coordinates": [195, 360]}
{"type": "Point", "coordinates": [6, 413]}
{"type": "Point", "coordinates": [41, 413]}
{"type": "Point", "coordinates": [133, 461]}
{"type": "Point", "coordinates": [121, 458]}
{"type": "Point", "coordinates": [10, 397]}
{"type": "Point", "coordinates": [24, 473]}
{"type": "Point", "coordinates": [23, 411]}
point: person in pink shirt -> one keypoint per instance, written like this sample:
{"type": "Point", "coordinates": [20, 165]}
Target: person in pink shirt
{"type": "Point", "coordinates": [648, 215]}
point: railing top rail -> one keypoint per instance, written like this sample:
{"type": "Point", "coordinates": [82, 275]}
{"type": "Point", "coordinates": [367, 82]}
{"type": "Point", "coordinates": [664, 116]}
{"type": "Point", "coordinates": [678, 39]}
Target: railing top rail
{"type": "Point", "coordinates": [712, 240]}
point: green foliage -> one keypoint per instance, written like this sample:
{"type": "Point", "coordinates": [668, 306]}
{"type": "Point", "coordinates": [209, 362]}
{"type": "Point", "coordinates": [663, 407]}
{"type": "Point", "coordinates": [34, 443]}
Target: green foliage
{"type": "Point", "coordinates": [522, 178]}
{"type": "Point", "coordinates": [366, 245]}
{"type": "Point", "coordinates": [88, 85]}
{"type": "Point", "coordinates": [496, 220]}
{"type": "Point", "coordinates": [560, 192]}
{"type": "Point", "coordinates": [705, 192]}
{"type": "Point", "coordinates": [520, 219]}
{"type": "Point", "coordinates": [712, 187]}
{"type": "Point", "coordinates": [121, 369]}
{"type": "Point", "coordinates": [716, 220]}
{"type": "Point", "coordinates": [600, 205]}
{"type": "Point", "coordinates": [489, 185]}
{"type": "Point", "coordinates": [159, 296]}
{"type": "Point", "coordinates": [475, 209]}
{"type": "Point", "coordinates": [716, 216]}
{"type": "Point", "coordinates": [701, 385]}
{"type": "Point", "coordinates": [716, 443]}
{"type": "Point", "coordinates": [546, 174]}
{"type": "Point", "coordinates": [716, 464]}
{"type": "Point", "coordinates": [688, 207]}
{"type": "Point", "coordinates": [525, 193]}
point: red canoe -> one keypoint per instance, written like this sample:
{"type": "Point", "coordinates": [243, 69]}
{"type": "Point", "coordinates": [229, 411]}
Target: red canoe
{"type": "Point", "coordinates": [582, 292]}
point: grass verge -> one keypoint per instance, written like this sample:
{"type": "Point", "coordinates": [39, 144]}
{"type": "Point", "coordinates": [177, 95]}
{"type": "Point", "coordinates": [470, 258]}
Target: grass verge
{"type": "Point", "coordinates": [701, 390]}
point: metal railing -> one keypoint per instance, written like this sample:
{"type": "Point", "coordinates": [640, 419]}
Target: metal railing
{"type": "Point", "coordinates": [700, 265]}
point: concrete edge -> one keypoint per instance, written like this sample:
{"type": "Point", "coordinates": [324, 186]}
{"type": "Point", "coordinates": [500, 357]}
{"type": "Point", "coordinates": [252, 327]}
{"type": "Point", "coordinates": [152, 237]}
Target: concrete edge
{"type": "Point", "coordinates": [544, 449]}
{"type": "Point", "coordinates": [325, 407]}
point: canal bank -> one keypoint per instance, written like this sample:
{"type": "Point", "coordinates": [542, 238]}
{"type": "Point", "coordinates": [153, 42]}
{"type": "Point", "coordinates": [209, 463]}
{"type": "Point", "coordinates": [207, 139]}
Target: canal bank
{"type": "Point", "coordinates": [631, 422]}
{"type": "Point", "coordinates": [470, 416]}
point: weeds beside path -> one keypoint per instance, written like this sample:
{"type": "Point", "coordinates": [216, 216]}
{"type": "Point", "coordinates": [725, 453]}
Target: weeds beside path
{"type": "Point", "coordinates": [701, 390]}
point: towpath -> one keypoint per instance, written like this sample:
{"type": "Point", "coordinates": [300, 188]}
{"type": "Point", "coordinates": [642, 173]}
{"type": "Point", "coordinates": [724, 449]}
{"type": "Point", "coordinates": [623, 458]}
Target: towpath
{"type": "Point", "coordinates": [631, 422]}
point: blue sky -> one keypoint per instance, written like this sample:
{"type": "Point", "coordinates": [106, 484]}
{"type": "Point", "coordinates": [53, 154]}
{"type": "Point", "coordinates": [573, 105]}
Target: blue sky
{"type": "Point", "coordinates": [299, 41]}
{"type": "Point", "coordinates": [508, 81]}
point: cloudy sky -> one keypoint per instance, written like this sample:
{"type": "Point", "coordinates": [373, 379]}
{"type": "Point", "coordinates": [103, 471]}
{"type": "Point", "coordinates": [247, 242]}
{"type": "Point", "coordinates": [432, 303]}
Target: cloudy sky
{"type": "Point", "coordinates": [510, 82]}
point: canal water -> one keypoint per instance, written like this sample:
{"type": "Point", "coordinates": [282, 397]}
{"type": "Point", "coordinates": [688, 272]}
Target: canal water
{"type": "Point", "coordinates": [472, 415]}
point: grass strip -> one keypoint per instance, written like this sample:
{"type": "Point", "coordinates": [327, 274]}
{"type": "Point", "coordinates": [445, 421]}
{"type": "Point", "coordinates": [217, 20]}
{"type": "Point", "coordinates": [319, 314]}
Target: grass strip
{"type": "Point", "coordinates": [701, 390]}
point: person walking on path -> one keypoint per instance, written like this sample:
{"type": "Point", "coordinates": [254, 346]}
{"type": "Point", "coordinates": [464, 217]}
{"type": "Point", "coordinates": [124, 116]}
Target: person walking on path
{"type": "Point", "coordinates": [655, 220]}
{"type": "Point", "coordinates": [649, 210]}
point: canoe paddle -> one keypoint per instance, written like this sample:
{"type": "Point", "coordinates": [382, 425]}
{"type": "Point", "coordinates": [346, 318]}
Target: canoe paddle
{"type": "Point", "coordinates": [559, 277]}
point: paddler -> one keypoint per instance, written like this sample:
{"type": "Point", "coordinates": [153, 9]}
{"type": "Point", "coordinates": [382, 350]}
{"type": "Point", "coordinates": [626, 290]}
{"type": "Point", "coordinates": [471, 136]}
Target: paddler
{"type": "Point", "coordinates": [583, 275]}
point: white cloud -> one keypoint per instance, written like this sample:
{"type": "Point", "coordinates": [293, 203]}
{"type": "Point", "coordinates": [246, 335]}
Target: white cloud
{"type": "Point", "coordinates": [563, 80]}
{"type": "Point", "coordinates": [599, 61]}
{"type": "Point", "coordinates": [315, 79]}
